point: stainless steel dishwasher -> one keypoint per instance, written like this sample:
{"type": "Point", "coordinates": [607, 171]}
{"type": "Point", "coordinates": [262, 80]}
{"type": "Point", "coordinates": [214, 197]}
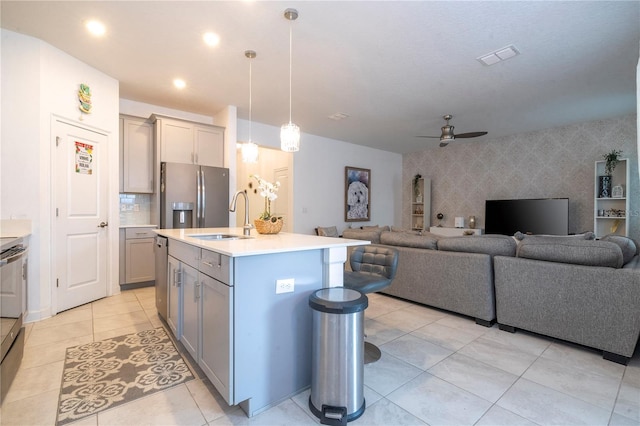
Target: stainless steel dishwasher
{"type": "Point", "coordinates": [161, 250]}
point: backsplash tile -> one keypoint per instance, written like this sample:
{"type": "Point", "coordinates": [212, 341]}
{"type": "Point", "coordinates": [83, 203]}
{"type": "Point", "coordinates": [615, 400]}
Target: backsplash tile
{"type": "Point", "coordinates": [548, 163]}
{"type": "Point", "coordinates": [135, 209]}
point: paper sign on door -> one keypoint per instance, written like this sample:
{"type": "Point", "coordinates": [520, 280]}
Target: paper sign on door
{"type": "Point", "coordinates": [84, 158]}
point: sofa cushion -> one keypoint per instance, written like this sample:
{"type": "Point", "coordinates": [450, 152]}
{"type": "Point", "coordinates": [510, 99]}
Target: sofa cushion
{"type": "Point", "coordinates": [328, 231]}
{"type": "Point", "coordinates": [627, 245]}
{"type": "Point", "coordinates": [404, 239]}
{"type": "Point", "coordinates": [494, 245]}
{"type": "Point", "coordinates": [363, 234]}
{"type": "Point", "coordinates": [577, 251]}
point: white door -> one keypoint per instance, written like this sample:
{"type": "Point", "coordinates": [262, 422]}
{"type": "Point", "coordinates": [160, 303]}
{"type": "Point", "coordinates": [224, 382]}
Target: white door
{"type": "Point", "coordinates": [80, 200]}
{"type": "Point", "coordinates": [281, 204]}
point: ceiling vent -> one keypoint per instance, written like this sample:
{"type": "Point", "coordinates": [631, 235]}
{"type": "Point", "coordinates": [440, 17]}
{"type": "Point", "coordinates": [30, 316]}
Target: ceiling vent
{"type": "Point", "coordinates": [338, 116]}
{"type": "Point", "coordinates": [499, 55]}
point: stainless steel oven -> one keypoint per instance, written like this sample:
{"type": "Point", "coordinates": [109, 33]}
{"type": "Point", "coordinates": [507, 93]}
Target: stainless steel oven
{"type": "Point", "coordinates": [13, 285]}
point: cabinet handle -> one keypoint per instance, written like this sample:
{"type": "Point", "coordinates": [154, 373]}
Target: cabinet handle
{"type": "Point", "coordinates": [177, 277]}
{"type": "Point", "coordinates": [196, 290]}
{"type": "Point", "coordinates": [209, 264]}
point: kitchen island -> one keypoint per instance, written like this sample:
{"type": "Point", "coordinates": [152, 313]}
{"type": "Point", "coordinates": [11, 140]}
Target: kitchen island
{"type": "Point", "coordinates": [240, 307]}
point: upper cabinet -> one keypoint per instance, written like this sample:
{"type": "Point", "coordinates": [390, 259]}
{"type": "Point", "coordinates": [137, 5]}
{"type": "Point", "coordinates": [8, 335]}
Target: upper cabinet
{"type": "Point", "coordinates": [136, 160]}
{"type": "Point", "coordinates": [187, 142]}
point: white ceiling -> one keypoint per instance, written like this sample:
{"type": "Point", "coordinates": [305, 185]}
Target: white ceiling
{"type": "Point", "coordinates": [394, 67]}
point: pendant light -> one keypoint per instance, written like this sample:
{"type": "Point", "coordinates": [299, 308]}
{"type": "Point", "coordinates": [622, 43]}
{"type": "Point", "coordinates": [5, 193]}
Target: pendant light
{"type": "Point", "coordinates": [290, 133]}
{"type": "Point", "coordinates": [249, 149]}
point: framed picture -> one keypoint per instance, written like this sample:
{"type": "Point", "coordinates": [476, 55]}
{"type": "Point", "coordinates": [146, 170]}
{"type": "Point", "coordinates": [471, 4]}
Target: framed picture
{"type": "Point", "coordinates": [357, 197]}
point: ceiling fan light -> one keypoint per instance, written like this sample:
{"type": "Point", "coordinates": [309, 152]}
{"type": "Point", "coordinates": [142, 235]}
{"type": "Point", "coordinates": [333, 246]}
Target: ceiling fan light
{"type": "Point", "coordinates": [290, 137]}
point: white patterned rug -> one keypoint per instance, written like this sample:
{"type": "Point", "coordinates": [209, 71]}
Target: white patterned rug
{"type": "Point", "coordinates": [105, 374]}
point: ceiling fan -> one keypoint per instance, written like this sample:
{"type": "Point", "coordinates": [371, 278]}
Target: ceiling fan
{"type": "Point", "coordinates": [447, 133]}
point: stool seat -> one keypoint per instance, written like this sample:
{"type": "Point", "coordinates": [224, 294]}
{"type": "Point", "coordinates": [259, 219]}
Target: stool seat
{"type": "Point", "coordinates": [365, 282]}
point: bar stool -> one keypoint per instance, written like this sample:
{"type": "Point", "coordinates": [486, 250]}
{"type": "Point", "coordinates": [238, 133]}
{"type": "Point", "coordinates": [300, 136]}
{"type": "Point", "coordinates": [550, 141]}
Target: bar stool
{"type": "Point", "coordinates": [372, 269]}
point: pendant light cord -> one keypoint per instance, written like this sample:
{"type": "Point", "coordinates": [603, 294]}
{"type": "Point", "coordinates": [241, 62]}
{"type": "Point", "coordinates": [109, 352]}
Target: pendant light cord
{"type": "Point", "coordinates": [290, 64]}
{"type": "Point", "coordinates": [250, 103]}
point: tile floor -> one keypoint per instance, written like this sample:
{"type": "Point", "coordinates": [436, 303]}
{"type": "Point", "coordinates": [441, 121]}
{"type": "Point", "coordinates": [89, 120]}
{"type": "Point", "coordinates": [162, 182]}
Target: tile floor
{"type": "Point", "coordinates": [437, 368]}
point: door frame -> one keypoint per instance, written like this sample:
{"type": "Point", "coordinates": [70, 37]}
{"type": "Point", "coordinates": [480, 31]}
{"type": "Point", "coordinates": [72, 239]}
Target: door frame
{"type": "Point", "coordinates": [114, 222]}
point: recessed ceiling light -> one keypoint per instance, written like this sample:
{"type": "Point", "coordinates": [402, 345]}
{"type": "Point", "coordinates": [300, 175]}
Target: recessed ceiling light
{"type": "Point", "coordinates": [96, 28]}
{"type": "Point", "coordinates": [211, 39]}
{"type": "Point", "coordinates": [499, 55]}
{"type": "Point", "coordinates": [179, 83]}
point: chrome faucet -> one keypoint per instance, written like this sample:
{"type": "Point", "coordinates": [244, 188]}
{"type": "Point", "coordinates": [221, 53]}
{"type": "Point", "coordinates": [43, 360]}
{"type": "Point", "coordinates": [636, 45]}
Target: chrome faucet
{"type": "Point", "coordinates": [246, 228]}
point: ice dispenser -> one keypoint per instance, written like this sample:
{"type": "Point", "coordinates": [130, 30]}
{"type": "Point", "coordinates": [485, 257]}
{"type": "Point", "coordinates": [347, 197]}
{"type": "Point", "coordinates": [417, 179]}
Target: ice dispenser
{"type": "Point", "coordinates": [182, 215]}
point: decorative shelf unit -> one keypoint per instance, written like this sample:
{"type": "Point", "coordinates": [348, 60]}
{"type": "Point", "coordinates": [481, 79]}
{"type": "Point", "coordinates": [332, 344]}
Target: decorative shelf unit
{"type": "Point", "coordinates": [421, 205]}
{"type": "Point", "coordinates": [610, 214]}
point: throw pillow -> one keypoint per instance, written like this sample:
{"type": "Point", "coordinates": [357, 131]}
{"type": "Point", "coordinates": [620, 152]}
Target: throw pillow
{"type": "Point", "coordinates": [329, 231]}
{"type": "Point", "coordinates": [584, 236]}
{"type": "Point", "coordinates": [627, 245]}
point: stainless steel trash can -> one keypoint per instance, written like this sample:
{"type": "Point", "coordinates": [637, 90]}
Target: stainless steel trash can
{"type": "Point", "coordinates": [337, 364]}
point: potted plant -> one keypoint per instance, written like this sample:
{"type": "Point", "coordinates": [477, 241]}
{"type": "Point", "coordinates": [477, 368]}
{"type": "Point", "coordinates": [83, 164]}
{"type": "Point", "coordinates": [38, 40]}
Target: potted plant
{"type": "Point", "coordinates": [416, 188]}
{"type": "Point", "coordinates": [604, 182]}
{"type": "Point", "coordinates": [266, 223]}
{"type": "Point", "coordinates": [611, 161]}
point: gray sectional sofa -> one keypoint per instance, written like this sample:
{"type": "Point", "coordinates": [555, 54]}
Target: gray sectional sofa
{"type": "Point", "coordinates": [573, 288]}
{"type": "Point", "coordinates": [452, 273]}
{"type": "Point", "coordinates": [582, 291]}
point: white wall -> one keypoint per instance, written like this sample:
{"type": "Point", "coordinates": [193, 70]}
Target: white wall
{"type": "Point", "coordinates": [39, 83]}
{"type": "Point", "coordinates": [319, 179]}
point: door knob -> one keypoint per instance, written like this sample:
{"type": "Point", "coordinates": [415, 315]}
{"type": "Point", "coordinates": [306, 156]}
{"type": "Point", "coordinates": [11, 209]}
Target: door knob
{"type": "Point", "coordinates": [103, 224]}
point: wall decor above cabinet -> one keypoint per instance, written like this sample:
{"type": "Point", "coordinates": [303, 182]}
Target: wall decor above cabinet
{"type": "Point", "coordinates": [181, 141]}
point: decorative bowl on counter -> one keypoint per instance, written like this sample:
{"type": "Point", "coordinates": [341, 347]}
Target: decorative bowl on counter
{"type": "Point", "coordinates": [268, 226]}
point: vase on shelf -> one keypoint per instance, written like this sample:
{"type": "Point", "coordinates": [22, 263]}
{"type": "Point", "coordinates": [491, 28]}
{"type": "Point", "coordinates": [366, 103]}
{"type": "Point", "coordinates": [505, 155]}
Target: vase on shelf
{"type": "Point", "coordinates": [269, 226]}
{"type": "Point", "coordinates": [604, 186]}
{"type": "Point", "coordinates": [472, 222]}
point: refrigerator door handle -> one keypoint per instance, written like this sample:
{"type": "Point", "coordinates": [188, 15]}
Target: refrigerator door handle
{"type": "Point", "coordinates": [198, 200]}
{"type": "Point", "coordinates": [203, 198]}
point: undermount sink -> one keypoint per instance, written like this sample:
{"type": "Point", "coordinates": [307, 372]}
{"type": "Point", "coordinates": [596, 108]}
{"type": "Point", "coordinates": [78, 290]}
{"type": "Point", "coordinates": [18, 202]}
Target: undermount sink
{"type": "Point", "coordinates": [218, 237]}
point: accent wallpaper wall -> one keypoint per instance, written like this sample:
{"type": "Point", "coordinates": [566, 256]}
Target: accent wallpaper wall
{"type": "Point", "coordinates": [549, 163]}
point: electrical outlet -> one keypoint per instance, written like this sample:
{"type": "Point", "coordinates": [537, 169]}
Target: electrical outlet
{"type": "Point", "coordinates": [284, 286]}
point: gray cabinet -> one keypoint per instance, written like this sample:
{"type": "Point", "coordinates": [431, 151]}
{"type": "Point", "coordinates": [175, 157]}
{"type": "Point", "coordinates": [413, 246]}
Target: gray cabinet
{"type": "Point", "coordinates": [136, 158]}
{"type": "Point", "coordinates": [191, 307]}
{"type": "Point", "coordinates": [137, 265]}
{"type": "Point", "coordinates": [174, 303]}
{"type": "Point", "coordinates": [181, 141]}
{"type": "Point", "coordinates": [201, 310]}
{"type": "Point", "coordinates": [217, 335]}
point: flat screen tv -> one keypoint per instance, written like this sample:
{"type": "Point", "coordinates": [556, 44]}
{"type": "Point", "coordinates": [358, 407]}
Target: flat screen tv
{"type": "Point", "coordinates": [530, 216]}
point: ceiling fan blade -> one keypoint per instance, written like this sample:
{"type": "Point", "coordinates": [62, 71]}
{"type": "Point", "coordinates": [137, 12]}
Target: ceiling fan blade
{"type": "Point", "coordinates": [470, 135]}
{"type": "Point", "coordinates": [433, 137]}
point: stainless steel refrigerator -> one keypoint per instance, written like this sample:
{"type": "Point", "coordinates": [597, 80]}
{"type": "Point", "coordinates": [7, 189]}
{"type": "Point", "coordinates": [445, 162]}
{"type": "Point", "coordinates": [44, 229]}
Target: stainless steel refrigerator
{"type": "Point", "coordinates": [193, 196]}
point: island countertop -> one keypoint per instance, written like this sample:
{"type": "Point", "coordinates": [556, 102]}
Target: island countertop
{"type": "Point", "coordinates": [258, 243]}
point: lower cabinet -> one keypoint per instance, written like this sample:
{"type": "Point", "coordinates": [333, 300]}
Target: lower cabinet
{"type": "Point", "coordinates": [200, 312]}
{"type": "Point", "coordinates": [190, 310]}
{"type": "Point", "coordinates": [174, 302]}
{"type": "Point", "coordinates": [138, 262]}
{"type": "Point", "coordinates": [217, 335]}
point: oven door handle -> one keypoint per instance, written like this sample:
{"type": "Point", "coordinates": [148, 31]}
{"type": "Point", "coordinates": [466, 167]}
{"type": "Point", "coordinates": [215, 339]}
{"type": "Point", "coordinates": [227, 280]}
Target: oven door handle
{"type": "Point", "coordinates": [13, 258]}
